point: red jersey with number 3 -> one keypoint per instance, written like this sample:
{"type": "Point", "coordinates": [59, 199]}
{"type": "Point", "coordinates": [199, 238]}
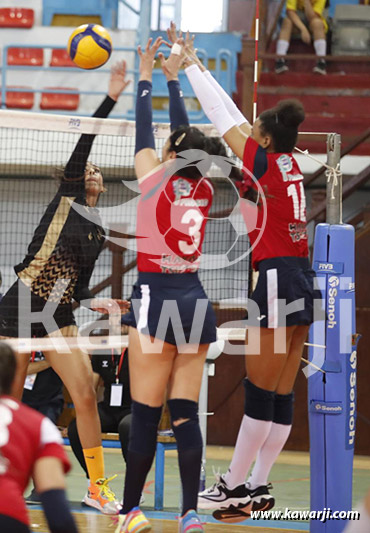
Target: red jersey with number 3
{"type": "Point", "coordinates": [281, 223]}
{"type": "Point", "coordinates": [25, 437]}
{"type": "Point", "coordinates": [171, 220]}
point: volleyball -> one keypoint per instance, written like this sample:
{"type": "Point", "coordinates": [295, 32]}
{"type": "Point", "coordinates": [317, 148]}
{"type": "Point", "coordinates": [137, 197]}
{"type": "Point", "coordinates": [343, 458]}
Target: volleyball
{"type": "Point", "coordinates": [90, 46]}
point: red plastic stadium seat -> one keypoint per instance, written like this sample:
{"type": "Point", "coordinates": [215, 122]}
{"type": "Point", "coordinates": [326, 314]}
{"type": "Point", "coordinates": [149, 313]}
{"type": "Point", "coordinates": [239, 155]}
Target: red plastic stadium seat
{"type": "Point", "coordinates": [60, 58]}
{"type": "Point", "coordinates": [68, 101]}
{"type": "Point", "coordinates": [16, 17]}
{"type": "Point", "coordinates": [19, 99]}
{"type": "Point", "coordinates": [33, 57]}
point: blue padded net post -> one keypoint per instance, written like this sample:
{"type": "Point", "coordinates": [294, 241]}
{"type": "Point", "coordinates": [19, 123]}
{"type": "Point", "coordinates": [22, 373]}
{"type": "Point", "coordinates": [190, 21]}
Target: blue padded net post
{"type": "Point", "coordinates": [332, 394]}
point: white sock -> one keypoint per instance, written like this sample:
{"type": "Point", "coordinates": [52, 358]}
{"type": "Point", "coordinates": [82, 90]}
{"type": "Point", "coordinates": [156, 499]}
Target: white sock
{"type": "Point", "coordinates": [268, 454]}
{"type": "Point", "coordinates": [210, 101]}
{"type": "Point", "coordinates": [282, 47]}
{"type": "Point", "coordinates": [252, 435]}
{"type": "Point", "coordinates": [227, 100]}
{"type": "Point", "coordinates": [320, 47]}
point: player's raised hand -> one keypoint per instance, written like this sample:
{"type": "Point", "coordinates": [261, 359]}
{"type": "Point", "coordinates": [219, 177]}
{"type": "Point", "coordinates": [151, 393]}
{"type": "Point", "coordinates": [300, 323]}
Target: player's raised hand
{"type": "Point", "coordinates": [171, 65]}
{"type": "Point", "coordinates": [172, 33]}
{"type": "Point", "coordinates": [147, 57]}
{"type": "Point", "coordinates": [191, 52]}
{"type": "Point", "coordinates": [118, 81]}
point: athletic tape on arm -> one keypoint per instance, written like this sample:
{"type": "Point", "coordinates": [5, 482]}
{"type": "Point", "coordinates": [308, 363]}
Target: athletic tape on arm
{"type": "Point", "coordinates": [211, 102]}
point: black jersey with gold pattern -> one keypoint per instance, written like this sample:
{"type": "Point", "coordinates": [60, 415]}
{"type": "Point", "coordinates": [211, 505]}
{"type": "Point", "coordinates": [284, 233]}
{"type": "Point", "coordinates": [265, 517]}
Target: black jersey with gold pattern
{"type": "Point", "coordinates": [65, 245]}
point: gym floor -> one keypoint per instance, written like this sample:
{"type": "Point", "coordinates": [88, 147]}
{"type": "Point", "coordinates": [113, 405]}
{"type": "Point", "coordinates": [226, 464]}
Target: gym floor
{"type": "Point", "coordinates": [289, 477]}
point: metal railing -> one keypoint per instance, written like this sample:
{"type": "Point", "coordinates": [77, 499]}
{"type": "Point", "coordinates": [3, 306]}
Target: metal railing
{"type": "Point", "coordinates": [223, 57]}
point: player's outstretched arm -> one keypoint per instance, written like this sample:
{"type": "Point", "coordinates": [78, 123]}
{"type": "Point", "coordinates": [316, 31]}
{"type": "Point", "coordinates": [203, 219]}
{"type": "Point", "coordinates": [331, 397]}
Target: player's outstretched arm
{"type": "Point", "coordinates": [230, 105]}
{"type": "Point", "coordinates": [170, 68]}
{"type": "Point", "coordinates": [76, 165]}
{"type": "Point", "coordinates": [216, 111]}
{"type": "Point", "coordinates": [146, 159]}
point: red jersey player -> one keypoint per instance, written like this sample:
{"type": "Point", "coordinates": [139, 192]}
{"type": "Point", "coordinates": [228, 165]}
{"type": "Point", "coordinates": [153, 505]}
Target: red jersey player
{"type": "Point", "coordinates": [171, 220]}
{"type": "Point", "coordinates": [280, 254]}
{"type": "Point", "coordinates": [172, 322]}
{"type": "Point", "coordinates": [30, 445]}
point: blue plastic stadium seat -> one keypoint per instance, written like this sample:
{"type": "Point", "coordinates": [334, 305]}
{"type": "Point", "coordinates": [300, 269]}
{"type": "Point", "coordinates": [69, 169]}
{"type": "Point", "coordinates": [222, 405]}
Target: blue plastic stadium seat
{"type": "Point", "coordinates": [104, 9]}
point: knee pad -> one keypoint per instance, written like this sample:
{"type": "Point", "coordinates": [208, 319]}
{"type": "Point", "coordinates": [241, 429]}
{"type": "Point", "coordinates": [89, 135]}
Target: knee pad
{"type": "Point", "coordinates": [187, 434]}
{"type": "Point", "coordinates": [259, 403]}
{"type": "Point", "coordinates": [144, 426]}
{"type": "Point", "coordinates": [283, 409]}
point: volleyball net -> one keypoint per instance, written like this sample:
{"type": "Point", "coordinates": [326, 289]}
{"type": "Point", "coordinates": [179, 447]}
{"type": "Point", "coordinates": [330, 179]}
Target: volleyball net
{"type": "Point", "coordinates": [36, 147]}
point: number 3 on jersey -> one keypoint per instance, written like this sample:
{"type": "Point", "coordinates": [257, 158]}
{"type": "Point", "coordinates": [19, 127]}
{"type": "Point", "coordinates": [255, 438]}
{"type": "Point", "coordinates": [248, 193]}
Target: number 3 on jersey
{"type": "Point", "coordinates": [296, 192]}
{"type": "Point", "coordinates": [194, 216]}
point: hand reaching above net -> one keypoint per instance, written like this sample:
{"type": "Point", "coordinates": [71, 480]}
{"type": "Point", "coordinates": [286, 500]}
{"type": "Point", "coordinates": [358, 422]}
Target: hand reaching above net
{"type": "Point", "coordinates": [172, 65]}
{"type": "Point", "coordinates": [117, 81]}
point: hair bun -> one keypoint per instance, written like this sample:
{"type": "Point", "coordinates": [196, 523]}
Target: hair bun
{"type": "Point", "coordinates": [290, 113]}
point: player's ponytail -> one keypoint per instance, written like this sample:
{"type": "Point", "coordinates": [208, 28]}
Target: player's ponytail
{"type": "Point", "coordinates": [7, 368]}
{"type": "Point", "coordinates": [281, 123]}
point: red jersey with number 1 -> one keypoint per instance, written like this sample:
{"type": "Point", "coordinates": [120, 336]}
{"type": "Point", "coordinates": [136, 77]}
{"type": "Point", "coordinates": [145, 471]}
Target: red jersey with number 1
{"type": "Point", "coordinates": [281, 222]}
{"type": "Point", "coordinates": [171, 220]}
{"type": "Point", "coordinates": [25, 437]}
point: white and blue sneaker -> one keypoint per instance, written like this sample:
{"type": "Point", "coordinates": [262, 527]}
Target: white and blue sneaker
{"type": "Point", "coordinates": [190, 523]}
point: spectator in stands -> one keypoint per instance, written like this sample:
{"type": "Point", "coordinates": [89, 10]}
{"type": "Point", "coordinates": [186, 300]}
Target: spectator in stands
{"type": "Point", "coordinates": [30, 445]}
{"type": "Point", "coordinates": [306, 17]}
{"type": "Point", "coordinates": [43, 391]}
{"type": "Point", "coordinates": [115, 408]}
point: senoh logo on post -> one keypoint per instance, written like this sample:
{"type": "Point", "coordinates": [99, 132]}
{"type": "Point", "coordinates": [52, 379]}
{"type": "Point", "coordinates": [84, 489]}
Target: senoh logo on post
{"type": "Point", "coordinates": [333, 282]}
{"type": "Point", "coordinates": [351, 399]}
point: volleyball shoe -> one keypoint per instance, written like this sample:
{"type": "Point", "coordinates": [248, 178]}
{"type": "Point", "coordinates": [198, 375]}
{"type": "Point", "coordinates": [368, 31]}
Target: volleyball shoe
{"type": "Point", "coordinates": [133, 522]}
{"type": "Point", "coordinates": [261, 501]}
{"type": "Point", "coordinates": [190, 523]}
{"type": "Point", "coordinates": [261, 497]}
{"type": "Point", "coordinates": [220, 496]}
{"type": "Point", "coordinates": [101, 497]}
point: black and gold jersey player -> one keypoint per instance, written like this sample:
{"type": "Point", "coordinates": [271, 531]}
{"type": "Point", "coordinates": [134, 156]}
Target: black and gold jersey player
{"type": "Point", "coordinates": [64, 246]}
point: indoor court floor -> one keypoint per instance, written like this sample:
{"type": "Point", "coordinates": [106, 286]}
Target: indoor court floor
{"type": "Point", "coordinates": [289, 477]}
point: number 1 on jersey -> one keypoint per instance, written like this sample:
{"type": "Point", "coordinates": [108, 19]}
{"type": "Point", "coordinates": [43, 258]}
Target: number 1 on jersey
{"type": "Point", "coordinates": [296, 191]}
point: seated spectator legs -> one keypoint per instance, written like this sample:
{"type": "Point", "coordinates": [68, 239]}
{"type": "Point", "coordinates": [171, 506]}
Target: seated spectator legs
{"type": "Point", "coordinates": [282, 45]}
{"type": "Point", "coordinates": [111, 422]}
{"type": "Point", "coordinates": [317, 28]}
{"type": "Point", "coordinates": [307, 18]}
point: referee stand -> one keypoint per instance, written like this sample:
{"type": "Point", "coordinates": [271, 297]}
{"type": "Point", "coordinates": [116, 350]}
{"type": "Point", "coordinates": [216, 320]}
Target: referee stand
{"type": "Point", "coordinates": [332, 391]}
